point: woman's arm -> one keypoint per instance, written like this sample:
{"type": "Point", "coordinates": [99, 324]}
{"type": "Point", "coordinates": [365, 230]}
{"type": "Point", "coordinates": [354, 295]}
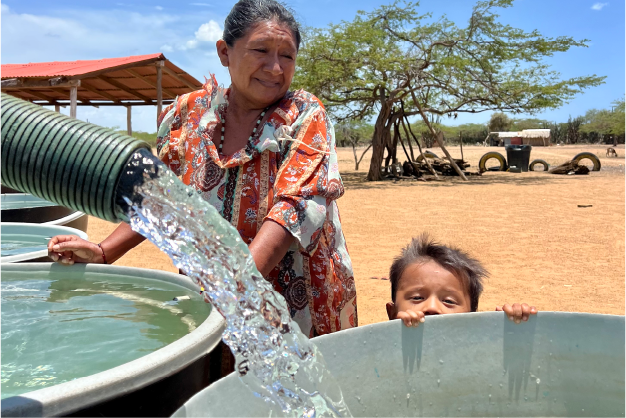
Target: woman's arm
{"type": "Point", "coordinates": [68, 249]}
{"type": "Point", "coordinates": [270, 246]}
{"type": "Point", "coordinates": [122, 240]}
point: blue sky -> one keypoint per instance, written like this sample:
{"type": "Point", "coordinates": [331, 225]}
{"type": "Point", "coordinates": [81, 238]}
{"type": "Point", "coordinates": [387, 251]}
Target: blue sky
{"type": "Point", "coordinates": [186, 31]}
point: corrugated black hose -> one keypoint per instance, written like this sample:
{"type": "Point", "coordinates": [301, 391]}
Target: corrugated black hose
{"type": "Point", "coordinates": [66, 161]}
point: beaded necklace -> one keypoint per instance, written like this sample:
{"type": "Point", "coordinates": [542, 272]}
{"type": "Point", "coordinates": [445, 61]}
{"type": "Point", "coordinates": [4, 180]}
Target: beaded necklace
{"type": "Point", "coordinates": [223, 120]}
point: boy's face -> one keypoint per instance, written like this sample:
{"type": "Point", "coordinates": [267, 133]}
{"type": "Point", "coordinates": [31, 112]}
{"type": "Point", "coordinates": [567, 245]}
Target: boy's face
{"type": "Point", "coordinates": [429, 288]}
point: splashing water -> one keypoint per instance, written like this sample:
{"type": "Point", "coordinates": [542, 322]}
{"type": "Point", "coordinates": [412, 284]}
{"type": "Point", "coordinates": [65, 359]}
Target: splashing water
{"type": "Point", "coordinates": [272, 356]}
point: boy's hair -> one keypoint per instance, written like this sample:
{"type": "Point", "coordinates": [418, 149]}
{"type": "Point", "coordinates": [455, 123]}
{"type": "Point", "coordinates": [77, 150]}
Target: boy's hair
{"type": "Point", "coordinates": [423, 249]}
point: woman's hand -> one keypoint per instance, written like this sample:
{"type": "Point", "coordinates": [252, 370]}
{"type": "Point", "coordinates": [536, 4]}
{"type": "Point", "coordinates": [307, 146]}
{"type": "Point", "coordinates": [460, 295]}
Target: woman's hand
{"type": "Point", "coordinates": [70, 249]}
{"type": "Point", "coordinates": [518, 312]}
{"type": "Point", "coordinates": [411, 318]}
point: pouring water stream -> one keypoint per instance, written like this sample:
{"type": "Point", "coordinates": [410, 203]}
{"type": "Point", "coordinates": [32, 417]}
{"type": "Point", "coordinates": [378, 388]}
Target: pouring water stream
{"type": "Point", "coordinates": [272, 356]}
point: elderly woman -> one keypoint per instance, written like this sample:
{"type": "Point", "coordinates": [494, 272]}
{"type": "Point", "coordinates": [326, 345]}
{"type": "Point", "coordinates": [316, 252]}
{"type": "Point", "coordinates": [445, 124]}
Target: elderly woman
{"type": "Point", "coordinates": [265, 158]}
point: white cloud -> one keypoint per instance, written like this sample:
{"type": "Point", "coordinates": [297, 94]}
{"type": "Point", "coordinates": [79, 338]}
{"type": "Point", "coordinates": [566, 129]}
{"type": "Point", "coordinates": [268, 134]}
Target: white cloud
{"type": "Point", "coordinates": [209, 32]}
{"type": "Point", "coordinates": [599, 6]}
{"type": "Point", "coordinates": [4, 8]}
{"type": "Point", "coordinates": [83, 34]}
{"type": "Point", "coordinates": [206, 35]}
{"type": "Point", "coordinates": [191, 44]}
{"type": "Point", "coordinates": [159, 8]}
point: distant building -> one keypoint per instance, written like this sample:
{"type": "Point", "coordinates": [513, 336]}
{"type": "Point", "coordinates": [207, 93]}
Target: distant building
{"type": "Point", "coordinates": [534, 137]}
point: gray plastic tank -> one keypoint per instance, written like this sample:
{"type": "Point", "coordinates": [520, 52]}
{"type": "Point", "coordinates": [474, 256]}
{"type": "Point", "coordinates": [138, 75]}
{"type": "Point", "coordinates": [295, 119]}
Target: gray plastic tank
{"type": "Point", "coordinates": [153, 385]}
{"type": "Point", "coordinates": [24, 207]}
{"type": "Point", "coordinates": [478, 364]}
{"type": "Point", "coordinates": [29, 242]}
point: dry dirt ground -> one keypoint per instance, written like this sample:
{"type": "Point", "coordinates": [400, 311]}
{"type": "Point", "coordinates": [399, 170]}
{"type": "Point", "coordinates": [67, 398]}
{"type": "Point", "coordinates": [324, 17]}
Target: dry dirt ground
{"type": "Point", "coordinates": [526, 228]}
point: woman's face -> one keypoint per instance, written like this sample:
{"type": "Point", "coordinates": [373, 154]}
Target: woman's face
{"type": "Point", "coordinates": [261, 63]}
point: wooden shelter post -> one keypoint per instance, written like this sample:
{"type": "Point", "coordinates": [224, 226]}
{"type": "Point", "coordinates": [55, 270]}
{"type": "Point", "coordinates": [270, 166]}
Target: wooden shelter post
{"type": "Point", "coordinates": [129, 126]}
{"type": "Point", "coordinates": [159, 70]}
{"type": "Point", "coordinates": [57, 108]}
{"type": "Point", "coordinates": [73, 99]}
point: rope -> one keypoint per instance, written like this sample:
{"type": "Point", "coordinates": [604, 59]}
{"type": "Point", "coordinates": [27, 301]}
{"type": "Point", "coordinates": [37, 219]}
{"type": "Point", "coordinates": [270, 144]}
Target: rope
{"type": "Point", "coordinates": [283, 134]}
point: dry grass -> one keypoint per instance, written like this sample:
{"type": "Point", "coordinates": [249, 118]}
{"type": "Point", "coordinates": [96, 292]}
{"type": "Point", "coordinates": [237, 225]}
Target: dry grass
{"type": "Point", "coordinates": [527, 229]}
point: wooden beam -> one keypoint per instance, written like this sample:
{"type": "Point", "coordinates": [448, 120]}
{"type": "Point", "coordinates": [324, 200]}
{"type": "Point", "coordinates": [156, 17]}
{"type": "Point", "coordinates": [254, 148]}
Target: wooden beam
{"type": "Point", "coordinates": [41, 95]}
{"type": "Point", "coordinates": [51, 100]}
{"type": "Point", "coordinates": [100, 93]}
{"type": "Point", "coordinates": [120, 86]}
{"type": "Point", "coordinates": [39, 83]}
{"type": "Point", "coordinates": [57, 108]}
{"type": "Point", "coordinates": [179, 78]}
{"type": "Point", "coordinates": [17, 94]}
{"type": "Point", "coordinates": [159, 69]}
{"type": "Point", "coordinates": [85, 101]}
{"type": "Point", "coordinates": [99, 104]}
{"type": "Point", "coordinates": [73, 97]}
{"type": "Point", "coordinates": [129, 126]}
{"type": "Point", "coordinates": [151, 83]}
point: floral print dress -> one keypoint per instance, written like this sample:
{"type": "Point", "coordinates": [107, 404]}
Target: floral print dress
{"type": "Point", "coordinates": [288, 172]}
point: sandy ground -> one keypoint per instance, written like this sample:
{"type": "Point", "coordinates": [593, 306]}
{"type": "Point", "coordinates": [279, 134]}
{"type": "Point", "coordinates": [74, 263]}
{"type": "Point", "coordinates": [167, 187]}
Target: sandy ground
{"type": "Point", "coordinates": [527, 229]}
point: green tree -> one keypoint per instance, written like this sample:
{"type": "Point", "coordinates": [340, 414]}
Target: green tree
{"type": "Point", "coordinates": [558, 131]}
{"type": "Point", "coordinates": [150, 138]}
{"type": "Point", "coordinates": [471, 133]}
{"type": "Point", "coordinates": [597, 121]}
{"type": "Point", "coordinates": [354, 133]}
{"type": "Point", "coordinates": [573, 129]}
{"type": "Point", "coordinates": [604, 124]}
{"type": "Point", "coordinates": [528, 123]}
{"type": "Point", "coordinates": [393, 55]}
{"type": "Point", "coordinates": [428, 130]}
{"type": "Point", "coordinates": [499, 122]}
{"type": "Point", "coordinates": [618, 118]}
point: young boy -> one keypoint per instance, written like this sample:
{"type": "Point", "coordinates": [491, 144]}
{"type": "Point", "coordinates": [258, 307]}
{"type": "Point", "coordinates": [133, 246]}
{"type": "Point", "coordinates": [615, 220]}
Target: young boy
{"type": "Point", "coordinates": [433, 279]}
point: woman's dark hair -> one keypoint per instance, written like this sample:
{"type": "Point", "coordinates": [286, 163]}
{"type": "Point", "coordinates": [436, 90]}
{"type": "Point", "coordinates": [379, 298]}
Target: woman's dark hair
{"type": "Point", "coordinates": [247, 13]}
{"type": "Point", "coordinates": [423, 249]}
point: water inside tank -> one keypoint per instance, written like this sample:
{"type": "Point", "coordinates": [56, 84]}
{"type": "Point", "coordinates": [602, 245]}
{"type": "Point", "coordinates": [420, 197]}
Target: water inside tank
{"type": "Point", "coordinates": [22, 201]}
{"type": "Point", "coordinates": [61, 326]}
{"type": "Point", "coordinates": [16, 245]}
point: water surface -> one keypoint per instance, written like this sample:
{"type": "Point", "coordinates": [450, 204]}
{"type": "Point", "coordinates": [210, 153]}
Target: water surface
{"type": "Point", "coordinates": [56, 329]}
{"type": "Point", "coordinates": [10, 246]}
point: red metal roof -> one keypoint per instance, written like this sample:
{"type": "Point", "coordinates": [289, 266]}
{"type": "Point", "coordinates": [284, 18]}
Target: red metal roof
{"type": "Point", "coordinates": [110, 80]}
{"type": "Point", "coordinates": [70, 68]}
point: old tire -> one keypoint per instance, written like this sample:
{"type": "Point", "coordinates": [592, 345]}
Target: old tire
{"type": "Point", "coordinates": [545, 165]}
{"type": "Point", "coordinates": [427, 154]}
{"type": "Point", "coordinates": [588, 155]}
{"type": "Point", "coordinates": [488, 156]}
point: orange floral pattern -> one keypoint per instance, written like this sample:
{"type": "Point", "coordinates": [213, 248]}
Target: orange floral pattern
{"type": "Point", "coordinates": [288, 172]}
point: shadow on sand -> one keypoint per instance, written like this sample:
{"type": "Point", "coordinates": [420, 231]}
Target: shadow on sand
{"type": "Point", "coordinates": [358, 180]}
